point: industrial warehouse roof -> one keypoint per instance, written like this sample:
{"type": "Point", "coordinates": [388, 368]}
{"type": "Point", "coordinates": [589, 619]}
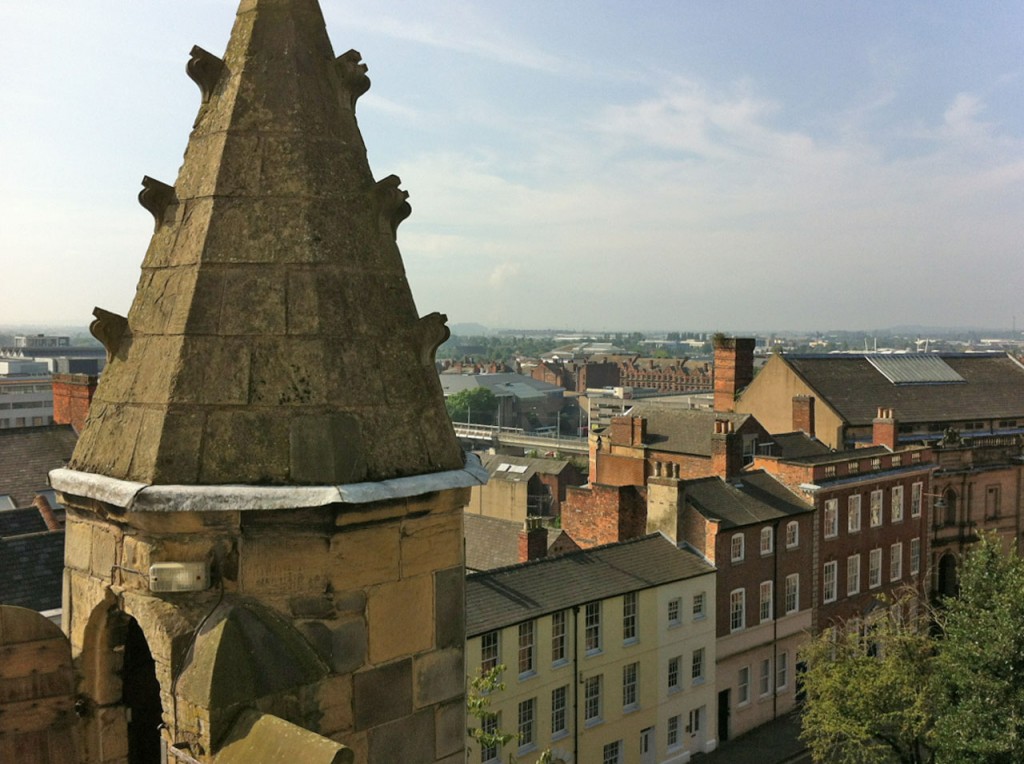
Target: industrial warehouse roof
{"type": "Point", "coordinates": [919, 388]}
{"type": "Point", "coordinates": [501, 384]}
{"type": "Point", "coordinates": [506, 596]}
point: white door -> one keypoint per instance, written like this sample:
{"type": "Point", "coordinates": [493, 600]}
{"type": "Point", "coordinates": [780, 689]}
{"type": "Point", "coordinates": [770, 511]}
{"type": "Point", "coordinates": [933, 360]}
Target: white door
{"type": "Point", "coordinates": [647, 746]}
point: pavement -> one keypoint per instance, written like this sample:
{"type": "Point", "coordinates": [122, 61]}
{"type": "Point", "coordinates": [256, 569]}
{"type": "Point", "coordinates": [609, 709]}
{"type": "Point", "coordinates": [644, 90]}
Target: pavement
{"type": "Point", "coordinates": [776, 742]}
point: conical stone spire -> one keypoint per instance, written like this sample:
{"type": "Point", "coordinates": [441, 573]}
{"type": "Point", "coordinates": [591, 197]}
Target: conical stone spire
{"type": "Point", "coordinates": [273, 338]}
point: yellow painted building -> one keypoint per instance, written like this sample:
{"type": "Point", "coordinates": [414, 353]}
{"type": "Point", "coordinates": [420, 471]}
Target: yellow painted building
{"type": "Point", "coordinates": [609, 654]}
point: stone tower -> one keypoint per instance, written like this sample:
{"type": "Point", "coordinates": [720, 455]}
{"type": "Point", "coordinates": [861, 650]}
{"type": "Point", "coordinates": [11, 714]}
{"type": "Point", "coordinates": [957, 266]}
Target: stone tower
{"type": "Point", "coordinates": [264, 533]}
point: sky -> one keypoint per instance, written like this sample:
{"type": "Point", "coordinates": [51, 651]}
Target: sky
{"type": "Point", "coordinates": [603, 165]}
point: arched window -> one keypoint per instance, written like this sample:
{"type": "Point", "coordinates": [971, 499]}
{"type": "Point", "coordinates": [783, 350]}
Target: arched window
{"type": "Point", "coordinates": [950, 513]}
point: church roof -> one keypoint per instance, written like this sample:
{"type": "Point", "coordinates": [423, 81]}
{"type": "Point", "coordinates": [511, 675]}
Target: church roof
{"type": "Point", "coordinates": [273, 339]}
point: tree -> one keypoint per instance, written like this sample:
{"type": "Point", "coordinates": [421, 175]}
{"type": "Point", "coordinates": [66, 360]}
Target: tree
{"type": "Point", "coordinates": [486, 732]}
{"type": "Point", "coordinates": [477, 404]}
{"type": "Point", "coordinates": [945, 688]}
{"type": "Point", "coordinates": [981, 661]}
{"type": "Point", "coordinates": [868, 693]}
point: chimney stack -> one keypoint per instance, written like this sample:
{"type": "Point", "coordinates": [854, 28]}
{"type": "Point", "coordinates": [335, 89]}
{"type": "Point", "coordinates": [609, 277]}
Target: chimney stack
{"type": "Point", "coordinates": [533, 540]}
{"type": "Point", "coordinates": [884, 429]}
{"type": "Point", "coordinates": [46, 512]}
{"type": "Point", "coordinates": [72, 397]}
{"type": "Point", "coordinates": [726, 450]}
{"type": "Point", "coordinates": [803, 414]}
{"type": "Point", "coordinates": [734, 369]}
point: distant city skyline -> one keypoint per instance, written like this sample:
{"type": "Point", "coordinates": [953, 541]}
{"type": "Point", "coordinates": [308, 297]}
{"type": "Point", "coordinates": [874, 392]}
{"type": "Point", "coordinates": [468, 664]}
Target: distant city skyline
{"type": "Point", "coordinates": [806, 166]}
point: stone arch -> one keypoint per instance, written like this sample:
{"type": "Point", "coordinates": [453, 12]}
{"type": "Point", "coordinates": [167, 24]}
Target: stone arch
{"type": "Point", "coordinates": [119, 685]}
{"type": "Point", "coordinates": [948, 584]}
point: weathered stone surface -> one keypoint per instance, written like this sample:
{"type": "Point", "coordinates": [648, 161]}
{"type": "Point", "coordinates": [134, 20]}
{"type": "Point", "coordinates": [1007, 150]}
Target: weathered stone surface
{"type": "Point", "coordinates": [401, 618]}
{"type": "Point", "coordinates": [450, 607]}
{"type": "Point", "coordinates": [409, 740]}
{"type": "Point", "coordinates": [365, 556]}
{"type": "Point", "coordinates": [348, 645]}
{"type": "Point", "coordinates": [439, 676]}
{"type": "Point", "coordinates": [382, 694]}
{"type": "Point", "coordinates": [450, 728]}
{"type": "Point", "coordinates": [334, 698]}
{"type": "Point", "coordinates": [273, 285]}
{"type": "Point", "coordinates": [431, 542]}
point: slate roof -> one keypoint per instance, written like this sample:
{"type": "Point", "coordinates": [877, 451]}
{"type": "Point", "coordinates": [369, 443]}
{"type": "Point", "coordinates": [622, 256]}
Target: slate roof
{"type": "Point", "coordinates": [27, 454]}
{"type": "Point", "coordinates": [31, 570]}
{"type": "Point", "coordinates": [17, 522]}
{"type": "Point", "coordinates": [753, 498]}
{"type": "Point", "coordinates": [503, 597]}
{"type": "Point", "coordinates": [490, 542]}
{"type": "Point", "coordinates": [993, 387]}
{"type": "Point", "coordinates": [795, 445]}
{"type": "Point", "coordinates": [682, 431]}
{"type": "Point", "coordinates": [842, 456]}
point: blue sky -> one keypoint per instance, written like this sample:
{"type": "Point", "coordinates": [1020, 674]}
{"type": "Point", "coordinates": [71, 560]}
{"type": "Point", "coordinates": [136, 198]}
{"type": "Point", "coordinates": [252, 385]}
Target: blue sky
{"type": "Point", "coordinates": [601, 165]}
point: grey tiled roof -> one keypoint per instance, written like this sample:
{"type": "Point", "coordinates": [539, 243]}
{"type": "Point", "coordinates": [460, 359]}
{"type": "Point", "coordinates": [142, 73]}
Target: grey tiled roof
{"type": "Point", "coordinates": [682, 431]}
{"type": "Point", "coordinates": [993, 387]}
{"type": "Point", "coordinates": [490, 542]}
{"type": "Point", "coordinates": [533, 465]}
{"type": "Point", "coordinates": [507, 596]}
{"type": "Point", "coordinates": [753, 498]}
{"type": "Point", "coordinates": [841, 456]}
{"type": "Point", "coordinates": [794, 445]}
{"type": "Point", "coordinates": [27, 454]}
{"type": "Point", "coordinates": [31, 569]}
{"type": "Point", "coordinates": [17, 522]}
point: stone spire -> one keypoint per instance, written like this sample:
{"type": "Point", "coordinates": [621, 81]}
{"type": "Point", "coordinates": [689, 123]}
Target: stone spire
{"type": "Point", "coordinates": [273, 338]}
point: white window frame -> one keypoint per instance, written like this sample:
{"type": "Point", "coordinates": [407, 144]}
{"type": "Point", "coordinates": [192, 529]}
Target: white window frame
{"type": "Point", "coordinates": [896, 561]}
{"type": "Point", "coordinates": [767, 541]}
{"type": "Point", "coordinates": [630, 610]}
{"type": "Point", "coordinates": [915, 556]}
{"type": "Point", "coordinates": [527, 648]}
{"type": "Point", "coordinates": [592, 700]}
{"type": "Point", "coordinates": [490, 651]}
{"type": "Point", "coordinates": [630, 686]}
{"type": "Point", "coordinates": [559, 630]}
{"type": "Point", "coordinates": [766, 601]}
{"type": "Point", "coordinates": [875, 568]}
{"type": "Point", "coordinates": [792, 593]}
{"type": "Point", "coordinates": [853, 513]}
{"type": "Point", "coordinates": [765, 679]}
{"type": "Point", "coordinates": [612, 753]}
{"type": "Point", "coordinates": [675, 611]}
{"type": "Point", "coordinates": [697, 666]}
{"type": "Point", "coordinates": [830, 582]}
{"type": "Point", "coordinates": [700, 605]}
{"type": "Point", "coordinates": [592, 628]}
{"type": "Point", "coordinates": [896, 501]}
{"type": "Point", "coordinates": [672, 676]}
{"type": "Point", "coordinates": [792, 534]}
{"type": "Point", "coordinates": [559, 717]}
{"type": "Point", "coordinates": [737, 610]}
{"type": "Point", "coordinates": [877, 511]}
{"type": "Point", "coordinates": [527, 724]}
{"type": "Point", "coordinates": [673, 738]}
{"type": "Point", "coordinates": [852, 575]}
{"type": "Point", "coordinates": [782, 671]}
{"type": "Point", "coordinates": [736, 548]}
{"type": "Point", "coordinates": [743, 686]}
{"type": "Point", "coordinates": [916, 496]}
{"type": "Point", "coordinates": [831, 518]}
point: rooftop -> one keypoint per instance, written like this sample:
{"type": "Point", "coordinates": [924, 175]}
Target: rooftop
{"type": "Point", "coordinates": [27, 454]}
{"type": "Point", "coordinates": [682, 431]}
{"type": "Point", "coordinates": [754, 498]}
{"type": "Point", "coordinates": [506, 596]}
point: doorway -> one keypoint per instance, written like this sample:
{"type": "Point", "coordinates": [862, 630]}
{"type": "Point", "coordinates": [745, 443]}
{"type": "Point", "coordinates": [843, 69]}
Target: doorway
{"type": "Point", "coordinates": [141, 694]}
{"type": "Point", "coordinates": [723, 716]}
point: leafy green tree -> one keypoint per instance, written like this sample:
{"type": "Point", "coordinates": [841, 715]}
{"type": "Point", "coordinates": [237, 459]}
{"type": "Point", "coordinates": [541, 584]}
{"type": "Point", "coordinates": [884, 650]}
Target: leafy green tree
{"type": "Point", "coordinates": [485, 731]}
{"type": "Point", "coordinates": [477, 404]}
{"type": "Point", "coordinates": [868, 693]}
{"type": "Point", "coordinates": [981, 661]}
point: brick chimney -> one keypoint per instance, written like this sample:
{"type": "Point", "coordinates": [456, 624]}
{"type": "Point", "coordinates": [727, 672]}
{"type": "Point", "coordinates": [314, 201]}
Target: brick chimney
{"type": "Point", "coordinates": [803, 414]}
{"type": "Point", "coordinates": [884, 429]}
{"type": "Point", "coordinates": [726, 450]}
{"type": "Point", "coordinates": [72, 396]}
{"type": "Point", "coordinates": [533, 540]}
{"type": "Point", "coordinates": [734, 369]}
{"type": "Point", "coordinates": [628, 430]}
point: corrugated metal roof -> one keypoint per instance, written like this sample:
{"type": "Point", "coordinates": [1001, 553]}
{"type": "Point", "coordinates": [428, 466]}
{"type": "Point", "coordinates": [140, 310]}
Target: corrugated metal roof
{"type": "Point", "coordinates": [914, 369]}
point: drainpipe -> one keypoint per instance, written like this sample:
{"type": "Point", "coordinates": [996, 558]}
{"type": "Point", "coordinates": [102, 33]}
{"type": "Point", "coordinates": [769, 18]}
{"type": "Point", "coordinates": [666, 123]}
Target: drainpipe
{"type": "Point", "coordinates": [577, 679]}
{"type": "Point", "coordinates": [775, 619]}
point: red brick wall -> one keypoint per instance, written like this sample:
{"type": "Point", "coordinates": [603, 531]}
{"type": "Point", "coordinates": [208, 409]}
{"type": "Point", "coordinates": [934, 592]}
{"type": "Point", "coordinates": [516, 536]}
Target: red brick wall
{"type": "Point", "coordinates": [803, 413]}
{"type": "Point", "coordinates": [734, 369]}
{"type": "Point", "coordinates": [603, 514]}
{"type": "Point", "coordinates": [72, 396]}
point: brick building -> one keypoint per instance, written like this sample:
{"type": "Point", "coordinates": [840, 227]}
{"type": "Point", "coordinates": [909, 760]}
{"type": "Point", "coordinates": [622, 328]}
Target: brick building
{"type": "Point", "coordinates": [521, 487]}
{"type": "Point", "coordinates": [871, 525]}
